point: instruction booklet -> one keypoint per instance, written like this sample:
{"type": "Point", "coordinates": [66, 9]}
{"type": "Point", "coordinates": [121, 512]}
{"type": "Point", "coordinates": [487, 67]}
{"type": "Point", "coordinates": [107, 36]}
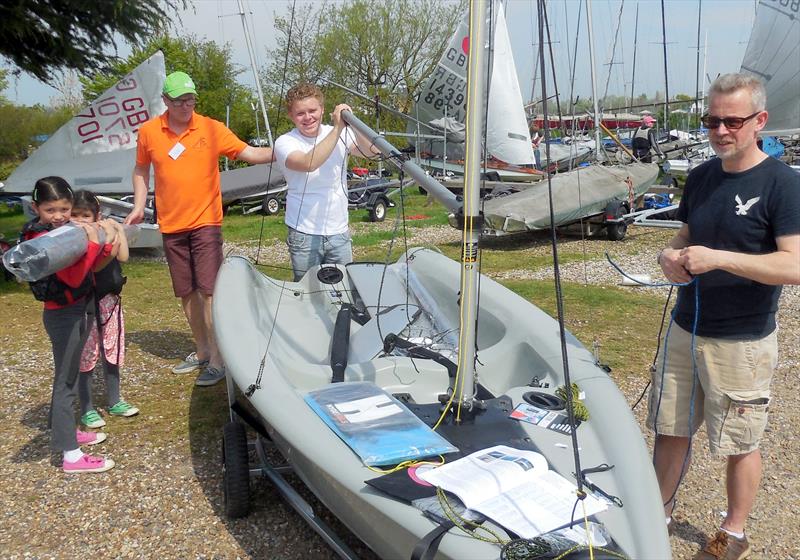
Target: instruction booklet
{"type": "Point", "coordinates": [515, 488]}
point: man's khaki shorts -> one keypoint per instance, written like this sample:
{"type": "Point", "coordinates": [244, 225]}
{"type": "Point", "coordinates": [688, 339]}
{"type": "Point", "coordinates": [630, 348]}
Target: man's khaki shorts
{"type": "Point", "coordinates": [731, 392]}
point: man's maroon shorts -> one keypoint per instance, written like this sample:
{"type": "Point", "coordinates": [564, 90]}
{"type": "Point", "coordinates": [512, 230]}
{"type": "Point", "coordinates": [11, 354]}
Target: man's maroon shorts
{"type": "Point", "coordinates": [194, 258]}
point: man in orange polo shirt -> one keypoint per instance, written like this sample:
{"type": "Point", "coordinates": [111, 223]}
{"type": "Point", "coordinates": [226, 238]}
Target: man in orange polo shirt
{"type": "Point", "coordinates": [184, 148]}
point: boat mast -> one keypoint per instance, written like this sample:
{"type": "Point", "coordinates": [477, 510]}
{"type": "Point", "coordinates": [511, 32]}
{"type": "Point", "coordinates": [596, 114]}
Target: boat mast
{"type": "Point", "coordinates": [572, 99]}
{"type": "Point", "coordinates": [553, 71]}
{"type": "Point", "coordinates": [701, 94]}
{"type": "Point", "coordinates": [635, 41]}
{"type": "Point", "coordinates": [666, 78]}
{"type": "Point", "coordinates": [594, 81]}
{"type": "Point", "coordinates": [697, 93]}
{"type": "Point", "coordinates": [255, 72]}
{"type": "Point", "coordinates": [470, 256]}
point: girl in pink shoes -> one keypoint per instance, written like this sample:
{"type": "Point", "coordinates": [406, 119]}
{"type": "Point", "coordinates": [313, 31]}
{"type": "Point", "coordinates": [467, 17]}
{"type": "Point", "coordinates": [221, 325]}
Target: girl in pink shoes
{"type": "Point", "coordinates": [108, 325]}
{"type": "Point", "coordinates": [65, 295]}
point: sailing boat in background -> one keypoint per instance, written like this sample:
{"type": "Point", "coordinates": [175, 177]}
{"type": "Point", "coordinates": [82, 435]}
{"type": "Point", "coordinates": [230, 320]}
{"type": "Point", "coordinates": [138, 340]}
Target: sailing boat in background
{"type": "Point", "coordinates": [773, 54]}
{"type": "Point", "coordinates": [596, 196]}
{"type": "Point", "coordinates": [97, 149]}
{"type": "Point", "coordinates": [441, 107]}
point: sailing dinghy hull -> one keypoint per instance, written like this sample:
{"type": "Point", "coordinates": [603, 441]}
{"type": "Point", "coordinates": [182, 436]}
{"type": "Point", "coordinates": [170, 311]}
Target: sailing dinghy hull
{"type": "Point", "coordinates": [577, 194]}
{"type": "Point", "coordinates": [291, 325]}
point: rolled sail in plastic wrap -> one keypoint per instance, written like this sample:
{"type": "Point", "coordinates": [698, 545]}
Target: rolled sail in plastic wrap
{"type": "Point", "coordinates": [44, 255]}
{"type": "Point", "coordinates": [47, 254]}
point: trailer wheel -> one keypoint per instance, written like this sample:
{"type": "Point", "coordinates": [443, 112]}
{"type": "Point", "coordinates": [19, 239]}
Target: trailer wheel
{"type": "Point", "coordinates": [377, 213]}
{"type": "Point", "coordinates": [235, 471]}
{"type": "Point", "coordinates": [616, 230]}
{"type": "Point", "coordinates": [271, 205]}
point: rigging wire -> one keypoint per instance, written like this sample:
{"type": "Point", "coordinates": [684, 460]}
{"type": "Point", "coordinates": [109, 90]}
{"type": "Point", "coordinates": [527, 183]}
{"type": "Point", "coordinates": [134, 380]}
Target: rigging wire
{"type": "Point", "coordinates": [278, 119]}
{"type": "Point", "coordinates": [559, 294]}
{"type": "Point", "coordinates": [257, 383]}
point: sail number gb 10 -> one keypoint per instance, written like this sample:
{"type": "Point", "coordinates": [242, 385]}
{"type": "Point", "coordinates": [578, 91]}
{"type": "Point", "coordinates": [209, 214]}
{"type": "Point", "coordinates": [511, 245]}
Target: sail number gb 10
{"type": "Point", "coordinates": [114, 119]}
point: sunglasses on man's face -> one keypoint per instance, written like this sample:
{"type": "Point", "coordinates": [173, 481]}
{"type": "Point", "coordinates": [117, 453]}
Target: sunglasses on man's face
{"type": "Point", "coordinates": [731, 123]}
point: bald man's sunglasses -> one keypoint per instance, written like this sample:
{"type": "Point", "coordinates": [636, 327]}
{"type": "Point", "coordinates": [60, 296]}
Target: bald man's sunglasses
{"type": "Point", "coordinates": [731, 123]}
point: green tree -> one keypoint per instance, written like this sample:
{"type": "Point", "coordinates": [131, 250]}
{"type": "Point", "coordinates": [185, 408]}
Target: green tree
{"type": "Point", "coordinates": [209, 65]}
{"type": "Point", "coordinates": [42, 36]}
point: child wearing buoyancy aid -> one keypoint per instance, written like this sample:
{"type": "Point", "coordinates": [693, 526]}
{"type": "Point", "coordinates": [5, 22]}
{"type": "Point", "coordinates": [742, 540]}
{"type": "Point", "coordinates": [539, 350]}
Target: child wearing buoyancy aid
{"type": "Point", "coordinates": [106, 338]}
{"type": "Point", "coordinates": [65, 295]}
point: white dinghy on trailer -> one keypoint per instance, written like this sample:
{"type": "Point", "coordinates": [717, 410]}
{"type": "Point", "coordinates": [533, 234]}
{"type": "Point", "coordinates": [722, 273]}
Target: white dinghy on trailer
{"type": "Point", "coordinates": [333, 363]}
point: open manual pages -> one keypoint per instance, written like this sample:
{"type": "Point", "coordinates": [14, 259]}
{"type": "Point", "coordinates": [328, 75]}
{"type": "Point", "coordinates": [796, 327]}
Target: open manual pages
{"type": "Point", "coordinates": [514, 488]}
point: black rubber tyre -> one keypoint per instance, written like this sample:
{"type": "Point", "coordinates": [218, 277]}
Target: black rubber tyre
{"type": "Point", "coordinates": [378, 211]}
{"type": "Point", "coordinates": [271, 205]}
{"type": "Point", "coordinates": [235, 471]}
{"type": "Point", "coordinates": [616, 231]}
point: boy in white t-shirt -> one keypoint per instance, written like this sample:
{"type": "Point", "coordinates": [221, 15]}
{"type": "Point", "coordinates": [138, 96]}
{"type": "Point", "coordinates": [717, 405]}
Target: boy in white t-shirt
{"type": "Point", "coordinates": [312, 157]}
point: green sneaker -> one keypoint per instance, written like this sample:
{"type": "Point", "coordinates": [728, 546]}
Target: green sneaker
{"type": "Point", "coordinates": [92, 419]}
{"type": "Point", "coordinates": [123, 409]}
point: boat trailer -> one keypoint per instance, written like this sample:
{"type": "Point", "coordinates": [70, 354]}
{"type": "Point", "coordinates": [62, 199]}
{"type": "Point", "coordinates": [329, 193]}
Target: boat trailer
{"type": "Point", "coordinates": [237, 472]}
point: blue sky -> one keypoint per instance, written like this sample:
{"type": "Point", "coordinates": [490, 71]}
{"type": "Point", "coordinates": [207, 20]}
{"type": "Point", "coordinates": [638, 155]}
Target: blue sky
{"type": "Point", "coordinates": [727, 23]}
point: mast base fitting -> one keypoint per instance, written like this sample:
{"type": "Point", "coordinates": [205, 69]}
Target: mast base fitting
{"type": "Point", "coordinates": [460, 220]}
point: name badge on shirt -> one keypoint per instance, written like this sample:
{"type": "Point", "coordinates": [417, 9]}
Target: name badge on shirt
{"type": "Point", "coordinates": [177, 150]}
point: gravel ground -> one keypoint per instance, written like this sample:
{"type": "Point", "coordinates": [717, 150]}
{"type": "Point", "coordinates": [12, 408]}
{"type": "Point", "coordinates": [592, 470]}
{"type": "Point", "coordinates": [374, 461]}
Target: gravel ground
{"type": "Point", "coordinates": [164, 498]}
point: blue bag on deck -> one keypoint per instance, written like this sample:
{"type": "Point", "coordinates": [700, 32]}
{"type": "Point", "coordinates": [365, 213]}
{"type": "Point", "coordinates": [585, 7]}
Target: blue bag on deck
{"type": "Point", "coordinates": [375, 425]}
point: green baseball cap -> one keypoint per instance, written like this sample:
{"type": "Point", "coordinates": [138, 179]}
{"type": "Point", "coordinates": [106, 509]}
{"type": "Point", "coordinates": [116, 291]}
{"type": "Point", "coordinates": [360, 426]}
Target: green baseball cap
{"type": "Point", "coordinates": [177, 84]}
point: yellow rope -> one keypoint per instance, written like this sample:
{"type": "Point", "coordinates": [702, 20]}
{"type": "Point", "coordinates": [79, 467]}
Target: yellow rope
{"type": "Point", "coordinates": [588, 533]}
{"type": "Point", "coordinates": [461, 522]}
{"type": "Point", "coordinates": [405, 465]}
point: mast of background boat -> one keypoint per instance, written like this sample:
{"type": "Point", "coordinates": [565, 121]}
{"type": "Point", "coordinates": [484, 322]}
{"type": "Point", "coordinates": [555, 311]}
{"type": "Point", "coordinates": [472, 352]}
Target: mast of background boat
{"type": "Point", "coordinates": [255, 72]}
{"type": "Point", "coordinates": [553, 71]}
{"type": "Point", "coordinates": [573, 65]}
{"type": "Point", "coordinates": [700, 93]}
{"type": "Point", "coordinates": [697, 63]}
{"type": "Point", "coordinates": [594, 81]}
{"type": "Point", "coordinates": [444, 144]}
{"type": "Point", "coordinates": [666, 78]}
{"type": "Point", "coordinates": [635, 41]}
